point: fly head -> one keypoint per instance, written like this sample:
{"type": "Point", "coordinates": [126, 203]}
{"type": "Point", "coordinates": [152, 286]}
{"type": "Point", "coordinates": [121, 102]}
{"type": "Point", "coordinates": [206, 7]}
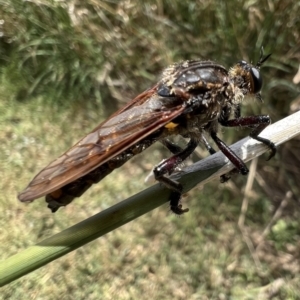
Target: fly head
{"type": "Point", "coordinates": [247, 77]}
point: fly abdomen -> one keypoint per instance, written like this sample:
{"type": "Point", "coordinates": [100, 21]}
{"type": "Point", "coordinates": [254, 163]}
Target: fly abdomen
{"type": "Point", "coordinates": [75, 189]}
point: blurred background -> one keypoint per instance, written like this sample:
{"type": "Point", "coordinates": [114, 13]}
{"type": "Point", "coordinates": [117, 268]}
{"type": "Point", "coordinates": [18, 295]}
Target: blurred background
{"type": "Point", "coordinates": [67, 65]}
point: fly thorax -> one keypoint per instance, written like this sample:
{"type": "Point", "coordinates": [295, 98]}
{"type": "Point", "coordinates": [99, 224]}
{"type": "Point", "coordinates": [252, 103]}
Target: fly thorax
{"type": "Point", "coordinates": [238, 96]}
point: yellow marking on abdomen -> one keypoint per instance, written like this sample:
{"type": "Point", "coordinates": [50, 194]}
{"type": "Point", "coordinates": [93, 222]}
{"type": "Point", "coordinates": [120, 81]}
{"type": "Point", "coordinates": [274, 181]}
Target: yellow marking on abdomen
{"type": "Point", "coordinates": [171, 125]}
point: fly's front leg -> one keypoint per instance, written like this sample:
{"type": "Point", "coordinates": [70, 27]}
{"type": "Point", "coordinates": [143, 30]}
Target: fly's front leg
{"type": "Point", "coordinates": [168, 166]}
{"type": "Point", "coordinates": [258, 123]}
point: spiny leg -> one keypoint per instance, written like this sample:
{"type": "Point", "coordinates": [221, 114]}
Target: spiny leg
{"type": "Point", "coordinates": [208, 147]}
{"type": "Point", "coordinates": [258, 123]}
{"type": "Point", "coordinates": [236, 161]}
{"type": "Point", "coordinates": [211, 150]}
{"type": "Point", "coordinates": [172, 147]}
{"type": "Point", "coordinates": [168, 166]}
{"type": "Point", "coordinates": [237, 113]}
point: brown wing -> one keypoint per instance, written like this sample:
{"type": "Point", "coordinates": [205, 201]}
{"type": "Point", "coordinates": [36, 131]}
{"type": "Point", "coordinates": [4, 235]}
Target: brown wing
{"type": "Point", "coordinates": [127, 127]}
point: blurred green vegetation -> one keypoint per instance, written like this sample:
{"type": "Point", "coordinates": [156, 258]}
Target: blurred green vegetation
{"type": "Point", "coordinates": [74, 51]}
{"type": "Point", "coordinates": [64, 65]}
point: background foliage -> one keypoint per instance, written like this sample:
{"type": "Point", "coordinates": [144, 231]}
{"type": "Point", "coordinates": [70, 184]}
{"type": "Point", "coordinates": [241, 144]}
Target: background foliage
{"type": "Point", "coordinates": [64, 65]}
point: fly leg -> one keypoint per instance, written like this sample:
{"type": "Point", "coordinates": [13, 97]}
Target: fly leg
{"type": "Point", "coordinates": [236, 161]}
{"type": "Point", "coordinates": [168, 166]}
{"type": "Point", "coordinates": [258, 124]}
{"type": "Point", "coordinates": [208, 147]}
{"type": "Point", "coordinates": [172, 147]}
{"type": "Point", "coordinates": [211, 150]}
{"type": "Point", "coordinates": [176, 149]}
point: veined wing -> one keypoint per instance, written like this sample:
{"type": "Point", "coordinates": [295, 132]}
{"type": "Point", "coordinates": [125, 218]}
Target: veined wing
{"type": "Point", "coordinates": [121, 131]}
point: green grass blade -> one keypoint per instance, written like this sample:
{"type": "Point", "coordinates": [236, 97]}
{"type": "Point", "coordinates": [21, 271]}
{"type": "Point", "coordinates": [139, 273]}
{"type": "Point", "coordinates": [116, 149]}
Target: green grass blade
{"type": "Point", "coordinates": [84, 232]}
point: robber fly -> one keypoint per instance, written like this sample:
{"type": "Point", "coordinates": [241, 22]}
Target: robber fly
{"type": "Point", "coordinates": [191, 98]}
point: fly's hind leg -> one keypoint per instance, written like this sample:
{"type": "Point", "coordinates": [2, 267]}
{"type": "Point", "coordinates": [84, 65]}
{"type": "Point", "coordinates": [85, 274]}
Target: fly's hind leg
{"type": "Point", "coordinates": [168, 166]}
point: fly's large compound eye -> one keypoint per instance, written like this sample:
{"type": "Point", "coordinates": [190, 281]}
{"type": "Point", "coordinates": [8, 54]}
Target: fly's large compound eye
{"type": "Point", "coordinates": [253, 75]}
{"type": "Point", "coordinates": [256, 80]}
